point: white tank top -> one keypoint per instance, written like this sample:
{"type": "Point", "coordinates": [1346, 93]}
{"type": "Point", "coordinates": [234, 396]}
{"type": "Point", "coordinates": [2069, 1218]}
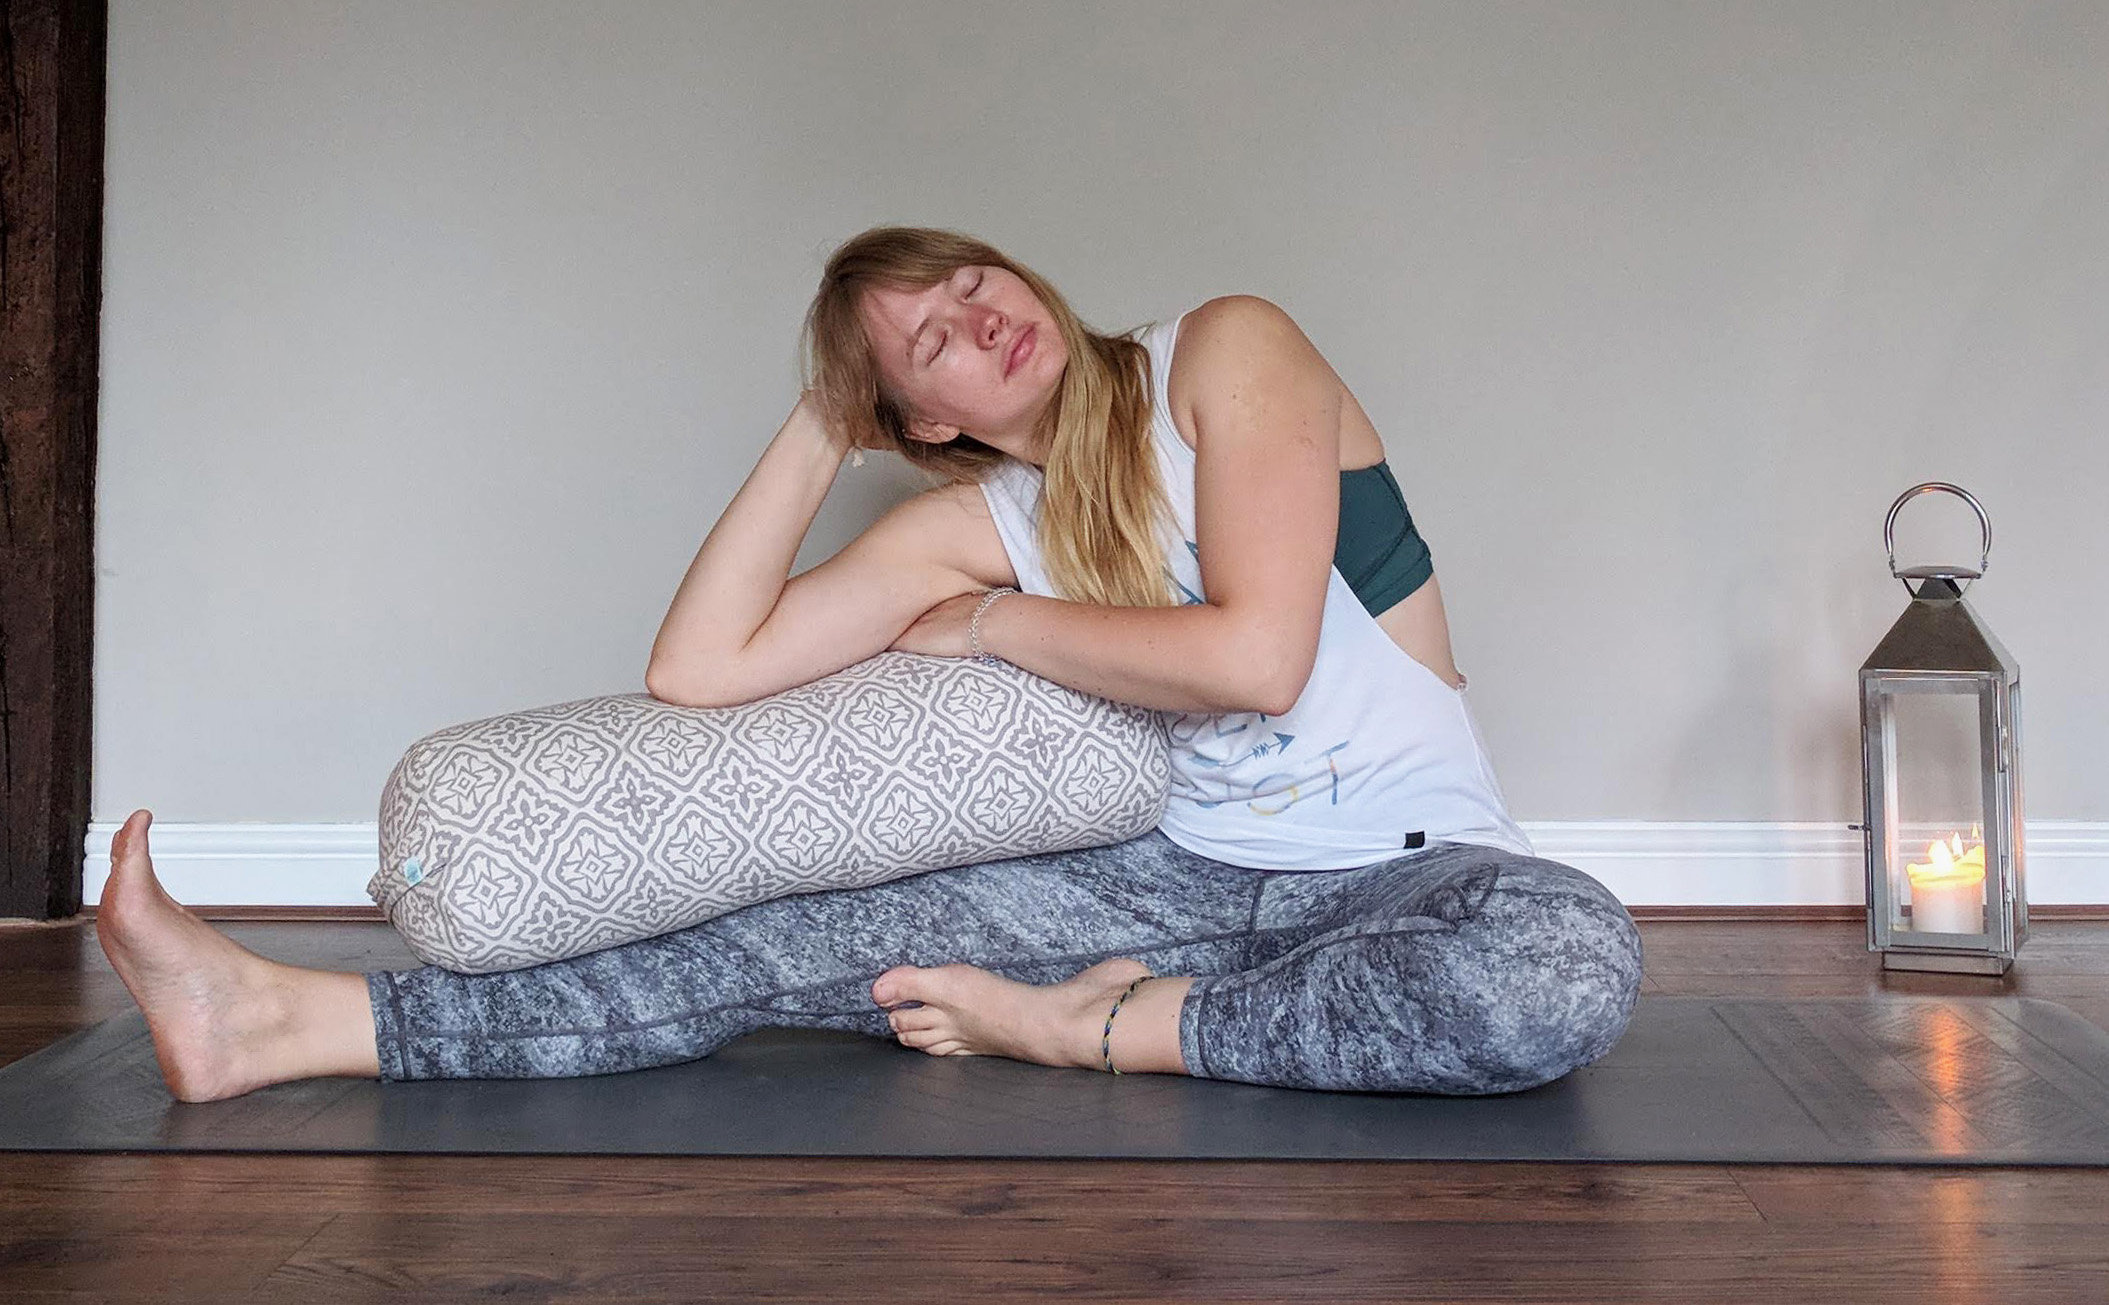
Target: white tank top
{"type": "Point", "coordinates": [1377, 757]}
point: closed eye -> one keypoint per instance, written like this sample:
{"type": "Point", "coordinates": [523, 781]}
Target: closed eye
{"type": "Point", "coordinates": [979, 277]}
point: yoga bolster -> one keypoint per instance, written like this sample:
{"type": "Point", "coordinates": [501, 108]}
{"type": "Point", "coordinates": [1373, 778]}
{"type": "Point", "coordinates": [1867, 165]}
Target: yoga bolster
{"type": "Point", "coordinates": [548, 833]}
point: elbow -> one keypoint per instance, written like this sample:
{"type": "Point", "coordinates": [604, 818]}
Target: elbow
{"type": "Point", "coordinates": [656, 684]}
{"type": "Point", "coordinates": [1268, 665]}
{"type": "Point", "coordinates": [663, 684]}
{"type": "Point", "coordinates": [1276, 699]}
{"type": "Point", "coordinates": [1279, 692]}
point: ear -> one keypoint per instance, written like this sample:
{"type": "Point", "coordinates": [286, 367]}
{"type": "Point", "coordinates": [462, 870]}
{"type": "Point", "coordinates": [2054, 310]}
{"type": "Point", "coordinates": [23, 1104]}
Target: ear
{"type": "Point", "coordinates": [930, 432]}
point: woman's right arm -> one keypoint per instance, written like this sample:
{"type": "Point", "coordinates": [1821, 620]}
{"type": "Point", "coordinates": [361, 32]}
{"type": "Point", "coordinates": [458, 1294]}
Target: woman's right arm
{"type": "Point", "coordinates": [739, 630]}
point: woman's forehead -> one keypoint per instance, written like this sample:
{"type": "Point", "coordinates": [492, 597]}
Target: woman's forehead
{"type": "Point", "coordinates": [900, 307]}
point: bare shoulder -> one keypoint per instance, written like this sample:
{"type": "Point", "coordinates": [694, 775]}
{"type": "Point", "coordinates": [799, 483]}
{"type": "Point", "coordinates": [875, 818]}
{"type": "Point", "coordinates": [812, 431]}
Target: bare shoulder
{"type": "Point", "coordinates": [1222, 343]}
{"type": "Point", "coordinates": [950, 526]}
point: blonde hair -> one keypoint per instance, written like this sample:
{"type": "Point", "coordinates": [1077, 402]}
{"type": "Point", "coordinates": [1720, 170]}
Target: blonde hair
{"type": "Point", "coordinates": [1103, 510]}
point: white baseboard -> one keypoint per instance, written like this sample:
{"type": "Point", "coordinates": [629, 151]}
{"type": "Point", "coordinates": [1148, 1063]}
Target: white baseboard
{"type": "Point", "coordinates": [1786, 863]}
{"type": "Point", "coordinates": [1644, 862]}
{"type": "Point", "coordinates": [246, 864]}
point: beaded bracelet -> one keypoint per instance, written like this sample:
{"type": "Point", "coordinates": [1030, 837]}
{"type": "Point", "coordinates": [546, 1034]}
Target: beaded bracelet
{"type": "Point", "coordinates": [974, 626]}
{"type": "Point", "coordinates": [1105, 1039]}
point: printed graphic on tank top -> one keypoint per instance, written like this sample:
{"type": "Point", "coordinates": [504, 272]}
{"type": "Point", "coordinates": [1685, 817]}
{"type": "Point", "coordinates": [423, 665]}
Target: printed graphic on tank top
{"type": "Point", "coordinates": [1377, 757]}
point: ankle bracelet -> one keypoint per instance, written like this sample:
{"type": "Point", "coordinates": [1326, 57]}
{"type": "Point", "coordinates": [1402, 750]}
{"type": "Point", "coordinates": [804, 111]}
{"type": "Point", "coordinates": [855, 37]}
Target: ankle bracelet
{"type": "Point", "coordinates": [1105, 1040]}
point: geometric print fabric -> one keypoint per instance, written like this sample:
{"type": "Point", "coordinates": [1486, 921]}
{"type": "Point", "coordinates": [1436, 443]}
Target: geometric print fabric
{"type": "Point", "coordinates": [556, 831]}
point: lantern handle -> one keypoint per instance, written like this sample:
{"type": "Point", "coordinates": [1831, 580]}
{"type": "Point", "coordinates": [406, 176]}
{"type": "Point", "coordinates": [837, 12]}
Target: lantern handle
{"type": "Point", "coordinates": [1889, 537]}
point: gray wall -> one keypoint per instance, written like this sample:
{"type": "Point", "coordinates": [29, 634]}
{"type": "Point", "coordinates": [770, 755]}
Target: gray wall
{"type": "Point", "coordinates": [438, 334]}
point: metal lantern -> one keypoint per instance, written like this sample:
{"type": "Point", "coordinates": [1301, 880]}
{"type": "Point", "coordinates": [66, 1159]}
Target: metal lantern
{"type": "Point", "coordinates": [1940, 748]}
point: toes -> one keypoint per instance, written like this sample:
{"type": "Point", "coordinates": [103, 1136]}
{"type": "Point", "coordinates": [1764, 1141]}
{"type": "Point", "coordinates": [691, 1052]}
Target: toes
{"type": "Point", "coordinates": [915, 1019]}
{"type": "Point", "coordinates": [915, 983]}
{"type": "Point", "coordinates": [888, 988]}
{"type": "Point", "coordinates": [936, 1044]}
{"type": "Point", "coordinates": [129, 835]}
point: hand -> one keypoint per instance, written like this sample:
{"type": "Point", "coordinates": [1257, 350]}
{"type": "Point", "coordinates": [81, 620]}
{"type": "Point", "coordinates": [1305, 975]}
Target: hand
{"type": "Point", "coordinates": [809, 411]}
{"type": "Point", "coordinates": [943, 630]}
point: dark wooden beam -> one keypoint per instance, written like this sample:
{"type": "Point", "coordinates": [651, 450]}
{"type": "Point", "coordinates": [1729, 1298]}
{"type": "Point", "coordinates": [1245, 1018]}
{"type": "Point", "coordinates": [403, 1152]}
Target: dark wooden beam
{"type": "Point", "coordinates": [52, 56]}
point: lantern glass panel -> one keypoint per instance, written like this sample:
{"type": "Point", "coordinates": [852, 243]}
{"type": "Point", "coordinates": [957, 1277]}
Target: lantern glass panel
{"type": "Point", "coordinates": [1934, 759]}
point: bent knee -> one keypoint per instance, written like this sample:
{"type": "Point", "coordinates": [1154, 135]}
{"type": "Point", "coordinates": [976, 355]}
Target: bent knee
{"type": "Point", "coordinates": [1573, 983]}
{"type": "Point", "coordinates": [1543, 981]}
{"type": "Point", "coordinates": [1554, 1025]}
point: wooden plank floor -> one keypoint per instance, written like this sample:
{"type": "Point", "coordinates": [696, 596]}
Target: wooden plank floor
{"type": "Point", "coordinates": [318, 1228]}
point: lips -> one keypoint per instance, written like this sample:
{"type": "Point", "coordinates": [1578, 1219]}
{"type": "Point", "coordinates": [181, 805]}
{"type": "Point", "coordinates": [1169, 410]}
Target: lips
{"type": "Point", "coordinates": [1020, 350]}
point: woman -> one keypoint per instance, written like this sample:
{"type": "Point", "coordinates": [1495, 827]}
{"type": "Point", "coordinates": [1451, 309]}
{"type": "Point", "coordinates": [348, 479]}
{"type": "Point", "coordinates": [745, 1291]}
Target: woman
{"type": "Point", "coordinates": [1336, 897]}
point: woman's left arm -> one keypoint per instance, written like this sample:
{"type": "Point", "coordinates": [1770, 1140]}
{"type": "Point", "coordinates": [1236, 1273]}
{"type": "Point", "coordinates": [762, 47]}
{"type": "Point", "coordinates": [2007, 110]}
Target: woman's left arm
{"type": "Point", "coordinates": [1265, 409]}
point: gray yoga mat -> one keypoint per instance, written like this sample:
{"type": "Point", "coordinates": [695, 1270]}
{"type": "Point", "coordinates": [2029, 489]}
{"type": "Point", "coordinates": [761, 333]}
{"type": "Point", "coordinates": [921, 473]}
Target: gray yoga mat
{"type": "Point", "coordinates": [1910, 1080]}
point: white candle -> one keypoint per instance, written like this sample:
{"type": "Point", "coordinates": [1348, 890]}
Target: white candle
{"type": "Point", "coordinates": [1948, 892]}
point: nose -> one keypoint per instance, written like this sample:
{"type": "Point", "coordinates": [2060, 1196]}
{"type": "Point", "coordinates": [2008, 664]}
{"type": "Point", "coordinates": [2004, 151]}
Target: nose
{"type": "Point", "coordinates": [990, 329]}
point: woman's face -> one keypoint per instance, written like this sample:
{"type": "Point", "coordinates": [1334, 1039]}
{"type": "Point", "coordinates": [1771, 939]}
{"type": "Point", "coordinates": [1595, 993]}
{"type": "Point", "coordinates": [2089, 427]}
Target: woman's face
{"type": "Point", "coordinates": [951, 353]}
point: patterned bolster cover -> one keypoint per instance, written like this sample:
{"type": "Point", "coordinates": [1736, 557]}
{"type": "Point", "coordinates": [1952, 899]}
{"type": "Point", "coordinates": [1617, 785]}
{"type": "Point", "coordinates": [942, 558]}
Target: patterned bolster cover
{"type": "Point", "coordinates": [549, 833]}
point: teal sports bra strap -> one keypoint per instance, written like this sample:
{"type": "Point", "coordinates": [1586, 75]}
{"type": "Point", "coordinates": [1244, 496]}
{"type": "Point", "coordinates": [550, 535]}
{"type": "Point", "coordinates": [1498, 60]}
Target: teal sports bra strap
{"type": "Point", "coordinates": [1378, 551]}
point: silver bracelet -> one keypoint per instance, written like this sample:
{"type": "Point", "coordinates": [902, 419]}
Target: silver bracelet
{"type": "Point", "coordinates": [974, 626]}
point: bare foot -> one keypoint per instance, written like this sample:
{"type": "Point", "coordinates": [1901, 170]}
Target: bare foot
{"type": "Point", "coordinates": [216, 1009]}
{"type": "Point", "coordinates": [967, 1011]}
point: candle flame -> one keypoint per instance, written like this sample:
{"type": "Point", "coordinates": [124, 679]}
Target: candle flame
{"type": "Point", "coordinates": [1948, 862]}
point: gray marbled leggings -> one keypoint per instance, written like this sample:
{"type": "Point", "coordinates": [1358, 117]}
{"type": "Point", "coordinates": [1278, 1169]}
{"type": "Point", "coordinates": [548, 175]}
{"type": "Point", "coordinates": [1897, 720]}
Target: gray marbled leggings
{"type": "Point", "coordinates": [1454, 969]}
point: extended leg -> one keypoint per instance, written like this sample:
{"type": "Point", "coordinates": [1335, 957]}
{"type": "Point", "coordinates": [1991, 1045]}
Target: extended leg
{"type": "Point", "coordinates": [809, 961]}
